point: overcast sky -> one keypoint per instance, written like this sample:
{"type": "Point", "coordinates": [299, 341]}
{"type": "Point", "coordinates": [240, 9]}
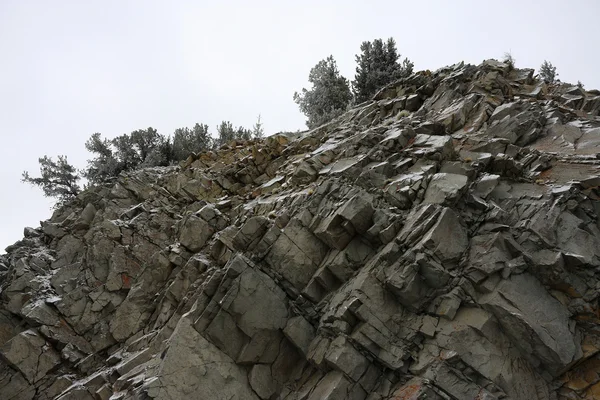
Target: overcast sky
{"type": "Point", "coordinates": [72, 68]}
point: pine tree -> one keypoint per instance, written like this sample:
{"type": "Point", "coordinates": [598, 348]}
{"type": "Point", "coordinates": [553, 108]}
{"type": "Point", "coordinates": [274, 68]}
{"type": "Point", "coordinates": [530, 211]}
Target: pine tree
{"type": "Point", "coordinates": [226, 133]}
{"type": "Point", "coordinates": [125, 152]}
{"type": "Point", "coordinates": [377, 65]}
{"type": "Point", "coordinates": [509, 60]}
{"type": "Point", "coordinates": [187, 141]}
{"type": "Point", "coordinates": [258, 130]}
{"type": "Point", "coordinates": [145, 141]}
{"type": "Point", "coordinates": [104, 165]}
{"type": "Point", "coordinates": [243, 134]}
{"type": "Point", "coordinates": [160, 154]}
{"type": "Point", "coordinates": [548, 72]}
{"type": "Point", "coordinates": [363, 82]}
{"type": "Point", "coordinates": [201, 137]}
{"type": "Point", "coordinates": [141, 148]}
{"type": "Point", "coordinates": [329, 95]}
{"type": "Point", "coordinates": [58, 179]}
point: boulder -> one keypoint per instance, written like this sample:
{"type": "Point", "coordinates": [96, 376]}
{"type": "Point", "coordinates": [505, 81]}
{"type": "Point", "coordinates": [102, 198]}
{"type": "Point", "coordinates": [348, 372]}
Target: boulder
{"type": "Point", "coordinates": [300, 333]}
{"type": "Point", "coordinates": [334, 386]}
{"type": "Point", "coordinates": [261, 381]}
{"type": "Point", "coordinates": [31, 355]}
{"type": "Point", "coordinates": [336, 231]}
{"type": "Point", "coordinates": [190, 355]}
{"type": "Point", "coordinates": [525, 309]}
{"type": "Point", "coordinates": [195, 232]}
{"type": "Point", "coordinates": [486, 184]}
{"type": "Point", "coordinates": [296, 254]}
{"type": "Point", "coordinates": [344, 357]}
{"type": "Point", "coordinates": [251, 233]}
{"type": "Point", "coordinates": [447, 239]}
{"type": "Point", "coordinates": [445, 188]}
{"type": "Point", "coordinates": [359, 212]}
{"type": "Point", "coordinates": [405, 189]}
{"type": "Point", "coordinates": [519, 122]}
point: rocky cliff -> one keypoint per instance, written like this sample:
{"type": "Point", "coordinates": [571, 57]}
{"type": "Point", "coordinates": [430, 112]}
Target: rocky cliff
{"type": "Point", "coordinates": [439, 242]}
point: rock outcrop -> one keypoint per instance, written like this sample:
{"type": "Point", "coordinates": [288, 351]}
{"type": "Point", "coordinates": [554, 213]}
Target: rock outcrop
{"type": "Point", "coordinates": [441, 241]}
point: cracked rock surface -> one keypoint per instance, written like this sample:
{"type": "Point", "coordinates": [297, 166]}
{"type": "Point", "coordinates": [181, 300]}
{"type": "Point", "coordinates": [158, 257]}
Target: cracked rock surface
{"type": "Point", "coordinates": [441, 241]}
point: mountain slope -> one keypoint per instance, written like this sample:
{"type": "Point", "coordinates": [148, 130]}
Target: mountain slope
{"type": "Point", "coordinates": [439, 242]}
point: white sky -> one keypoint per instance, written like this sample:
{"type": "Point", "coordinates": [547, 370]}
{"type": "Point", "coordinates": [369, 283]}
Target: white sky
{"type": "Point", "coordinates": [72, 68]}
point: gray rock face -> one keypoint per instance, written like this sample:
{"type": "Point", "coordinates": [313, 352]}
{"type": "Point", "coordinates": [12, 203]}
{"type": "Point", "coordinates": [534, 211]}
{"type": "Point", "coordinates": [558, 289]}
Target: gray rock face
{"type": "Point", "coordinates": [447, 239]}
{"type": "Point", "coordinates": [194, 233]}
{"type": "Point", "coordinates": [438, 242]}
{"type": "Point", "coordinates": [445, 188]}
{"type": "Point", "coordinates": [300, 332]}
{"type": "Point", "coordinates": [519, 122]}
{"type": "Point", "coordinates": [30, 354]}
{"type": "Point", "coordinates": [190, 355]}
{"type": "Point", "coordinates": [296, 254]}
{"type": "Point", "coordinates": [525, 309]}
